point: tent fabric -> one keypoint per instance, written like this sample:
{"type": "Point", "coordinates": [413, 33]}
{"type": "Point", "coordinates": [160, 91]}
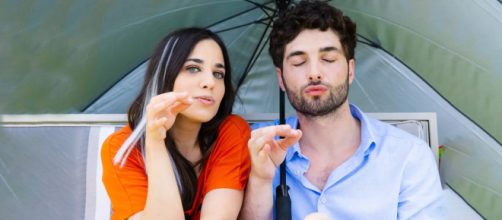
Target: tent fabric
{"type": "Point", "coordinates": [472, 159]}
{"type": "Point", "coordinates": [453, 45]}
{"type": "Point", "coordinates": [57, 57]}
{"type": "Point", "coordinates": [75, 51]}
{"type": "Point", "coordinates": [56, 173]}
{"type": "Point", "coordinates": [43, 175]}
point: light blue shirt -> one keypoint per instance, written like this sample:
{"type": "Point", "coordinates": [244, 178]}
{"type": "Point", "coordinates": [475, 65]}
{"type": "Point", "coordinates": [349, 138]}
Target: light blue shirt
{"type": "Point", "coordinates": [392, 175]}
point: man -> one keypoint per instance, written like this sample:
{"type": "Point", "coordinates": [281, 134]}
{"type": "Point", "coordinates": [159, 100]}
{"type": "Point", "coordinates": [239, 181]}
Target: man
{"type": "Point", "coordinates": [339, 162]}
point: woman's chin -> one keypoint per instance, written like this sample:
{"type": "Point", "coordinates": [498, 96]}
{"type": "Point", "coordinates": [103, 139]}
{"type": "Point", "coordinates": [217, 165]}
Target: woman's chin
{"type": "Point", "coordinates": [199, 116]}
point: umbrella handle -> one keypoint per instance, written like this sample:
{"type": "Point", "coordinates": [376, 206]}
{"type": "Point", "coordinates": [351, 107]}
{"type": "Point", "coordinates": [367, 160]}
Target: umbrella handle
{"type": "Point", "coordinates": [282, 203]}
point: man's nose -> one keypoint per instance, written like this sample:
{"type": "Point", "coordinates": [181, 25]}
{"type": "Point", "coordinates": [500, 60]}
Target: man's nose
{"type": "Point", "coordinates": [314, 73]}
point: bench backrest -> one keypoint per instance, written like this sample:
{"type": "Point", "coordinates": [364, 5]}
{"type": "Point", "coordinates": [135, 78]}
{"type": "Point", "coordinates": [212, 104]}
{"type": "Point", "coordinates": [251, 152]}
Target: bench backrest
{"type": "Point", "coordinates": [50, 165]}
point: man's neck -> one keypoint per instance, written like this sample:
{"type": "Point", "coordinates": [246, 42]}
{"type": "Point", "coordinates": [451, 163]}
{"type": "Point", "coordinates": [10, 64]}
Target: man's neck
{"type": "Point", "coordinates": [331, 134]}
{"type": "Point", "coordinates": [328, 142]}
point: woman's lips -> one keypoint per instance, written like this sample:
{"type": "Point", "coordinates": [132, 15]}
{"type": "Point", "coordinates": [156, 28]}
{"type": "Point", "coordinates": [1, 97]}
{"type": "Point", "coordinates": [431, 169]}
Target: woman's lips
{"type": "Point", "coordinates": [315, 90]}
{"type": "Point", "coordinates": [206, 100]}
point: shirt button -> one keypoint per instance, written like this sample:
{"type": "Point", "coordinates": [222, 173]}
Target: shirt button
{"type": "Point", "coordinates": [323, 200]}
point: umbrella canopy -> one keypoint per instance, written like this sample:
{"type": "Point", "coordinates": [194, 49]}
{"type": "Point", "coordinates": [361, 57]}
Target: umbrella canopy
{"type": "Point", "coordinates": [425, 56]}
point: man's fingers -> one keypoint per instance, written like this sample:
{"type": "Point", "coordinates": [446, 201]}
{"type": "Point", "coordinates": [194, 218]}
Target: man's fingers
{"type": "Point", "coordinates": [264, 151]}
{"type": "Point", "coordinates": [290, 139]}
{"type": "Point", "coordinates": [290, 135]}
{"type": "Point", "coordinates": [257, 143]}
{"type": "Point", "coordinates": [272, 130]}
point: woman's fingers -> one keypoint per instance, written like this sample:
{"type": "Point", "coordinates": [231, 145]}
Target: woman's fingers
{"type": "Point", "coordinates": [179, 106]}
{"type": "Point", "coordinates": [171, 97]}
{"type": "Point", "coordinates": [168, 104]}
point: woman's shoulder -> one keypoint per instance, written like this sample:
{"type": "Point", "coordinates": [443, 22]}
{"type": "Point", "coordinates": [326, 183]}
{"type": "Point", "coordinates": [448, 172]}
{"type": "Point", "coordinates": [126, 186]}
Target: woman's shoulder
{"type": "Point", "coordinates": [234, 130]}
{"type": "Point", "coordinates": [113, 142]}
{"type": "Point", "coordinates": [235, 122]}
{"type": "Point", "coordinates": [117, 138]}
{"type": "Point", "coordinates": [112, 145]}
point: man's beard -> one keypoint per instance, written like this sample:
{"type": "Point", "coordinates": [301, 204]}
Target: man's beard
{"type": "Point", "coordinates": [317, 107]}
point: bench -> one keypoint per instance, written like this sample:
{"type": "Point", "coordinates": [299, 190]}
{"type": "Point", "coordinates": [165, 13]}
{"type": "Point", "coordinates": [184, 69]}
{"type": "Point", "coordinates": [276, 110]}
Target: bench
{"type": "Point", "coordinates": [59, 165]}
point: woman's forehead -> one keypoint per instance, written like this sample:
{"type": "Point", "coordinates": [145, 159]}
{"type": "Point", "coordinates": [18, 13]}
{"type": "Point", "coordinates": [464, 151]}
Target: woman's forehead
{"type": "Point", "coordinates": [207, 50]}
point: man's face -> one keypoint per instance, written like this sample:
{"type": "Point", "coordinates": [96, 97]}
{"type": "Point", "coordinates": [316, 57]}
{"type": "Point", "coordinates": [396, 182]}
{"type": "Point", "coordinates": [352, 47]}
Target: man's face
{"type": "Point", "coordinates": [316, 73]}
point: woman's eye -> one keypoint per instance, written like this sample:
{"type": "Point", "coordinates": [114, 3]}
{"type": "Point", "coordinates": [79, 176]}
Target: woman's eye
{"type": "Point", "coordinates": [219, 75]}
{"type": "Point", "coordinates": [193, 69]}
{"type": "Point", "coordinates": [329, 60]}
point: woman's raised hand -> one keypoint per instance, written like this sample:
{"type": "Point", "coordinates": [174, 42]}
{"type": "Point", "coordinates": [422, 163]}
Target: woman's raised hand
{"type": "Point", "coordinates": [161, 112]}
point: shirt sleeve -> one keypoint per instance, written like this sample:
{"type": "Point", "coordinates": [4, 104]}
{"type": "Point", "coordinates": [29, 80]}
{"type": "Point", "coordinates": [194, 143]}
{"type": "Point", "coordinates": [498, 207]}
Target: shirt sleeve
{"type": "Point", "coordinates": [231, 163]}
{"type": "Point", "coordinates": [126, 186]}
{"type": "Point", "coordinates": [420, 193]}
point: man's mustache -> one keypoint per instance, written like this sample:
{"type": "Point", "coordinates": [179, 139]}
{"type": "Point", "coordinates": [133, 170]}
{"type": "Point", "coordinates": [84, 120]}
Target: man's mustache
{"type": "Point", "coordinates": [316, 83]}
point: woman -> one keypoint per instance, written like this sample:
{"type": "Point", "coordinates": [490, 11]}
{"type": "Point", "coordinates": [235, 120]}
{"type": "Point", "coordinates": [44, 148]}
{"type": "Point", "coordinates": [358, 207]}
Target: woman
{"type": "Point", "coordinates": [187, 157]}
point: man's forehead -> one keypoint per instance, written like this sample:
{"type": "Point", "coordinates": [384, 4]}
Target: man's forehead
{"type": "Point", "coordinates": [313, 40]}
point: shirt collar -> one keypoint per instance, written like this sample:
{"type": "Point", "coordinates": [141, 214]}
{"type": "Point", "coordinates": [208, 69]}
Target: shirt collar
{"type": "Point", "coordinates": [368, 138]}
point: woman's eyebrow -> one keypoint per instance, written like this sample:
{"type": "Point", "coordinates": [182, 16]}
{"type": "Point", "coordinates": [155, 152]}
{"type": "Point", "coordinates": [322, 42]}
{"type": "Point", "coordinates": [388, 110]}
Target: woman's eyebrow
{"type": "Point", "coordinates": [219, 65]}
{"type": "Point", "coordinates": [200, 61]}
{"type": "Point", "coordinates": [197, 60]}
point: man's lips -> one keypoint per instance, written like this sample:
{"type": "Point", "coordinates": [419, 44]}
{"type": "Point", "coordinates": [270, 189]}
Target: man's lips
{"type": "Point", "coordinates": [315, 90]}
{"type": "Point", "coordinates": [206, 100]}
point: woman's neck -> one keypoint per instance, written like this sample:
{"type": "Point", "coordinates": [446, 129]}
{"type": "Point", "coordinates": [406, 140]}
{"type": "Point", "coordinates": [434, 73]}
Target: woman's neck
{"type": "Point", "coordinates": [184, 133]}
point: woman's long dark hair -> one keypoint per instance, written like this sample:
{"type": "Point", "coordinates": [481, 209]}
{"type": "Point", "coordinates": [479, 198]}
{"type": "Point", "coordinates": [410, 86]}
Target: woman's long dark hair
{"type": "Point", "coordinates": [178, 45]}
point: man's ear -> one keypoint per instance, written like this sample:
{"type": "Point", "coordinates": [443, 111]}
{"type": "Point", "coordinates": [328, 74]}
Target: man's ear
{"type": "Point", "coordinates": [351, 69]}
{"type": "Point", "coordinates": [279, 78]}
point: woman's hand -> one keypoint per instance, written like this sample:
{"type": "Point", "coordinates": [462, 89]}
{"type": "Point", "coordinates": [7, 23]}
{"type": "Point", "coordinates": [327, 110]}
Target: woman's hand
{"type": "Point", "coordinates": [161, 112]}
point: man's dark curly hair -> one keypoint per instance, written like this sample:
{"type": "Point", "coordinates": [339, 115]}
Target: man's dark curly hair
{"type": "Point", "coordinates": [311, 14]}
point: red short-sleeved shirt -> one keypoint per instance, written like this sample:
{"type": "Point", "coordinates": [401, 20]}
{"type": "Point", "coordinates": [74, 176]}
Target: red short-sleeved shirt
{"type": "Point", "coordinates": [227, 167]}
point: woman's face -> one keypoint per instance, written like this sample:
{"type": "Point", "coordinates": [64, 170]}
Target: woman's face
{"type": "Point", "coordinates": [202, 76]}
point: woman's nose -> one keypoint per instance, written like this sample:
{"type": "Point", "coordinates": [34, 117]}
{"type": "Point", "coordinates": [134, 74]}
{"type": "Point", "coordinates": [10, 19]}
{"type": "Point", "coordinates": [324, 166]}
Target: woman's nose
{"type": "Point", "coordinates": [208, 81]}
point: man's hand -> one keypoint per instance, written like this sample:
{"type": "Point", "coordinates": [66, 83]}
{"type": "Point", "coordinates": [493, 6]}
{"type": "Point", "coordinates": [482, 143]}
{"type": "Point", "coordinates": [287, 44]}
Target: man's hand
{"type": "Point", "coordinates": [267, 153]}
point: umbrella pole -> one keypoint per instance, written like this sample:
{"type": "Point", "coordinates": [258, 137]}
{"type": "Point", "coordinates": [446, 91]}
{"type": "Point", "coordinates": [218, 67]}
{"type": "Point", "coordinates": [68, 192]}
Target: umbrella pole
{"type": "Point", "coordinates": [282, 199]}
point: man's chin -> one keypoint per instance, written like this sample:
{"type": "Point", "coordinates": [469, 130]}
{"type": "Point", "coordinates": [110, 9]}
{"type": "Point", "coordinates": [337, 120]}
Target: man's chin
{"type": "Point", "coordinates": [315, 98]}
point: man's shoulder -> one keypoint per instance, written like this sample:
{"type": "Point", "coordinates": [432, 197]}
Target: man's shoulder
{"type": "Point", "coordinates": [391, 140]}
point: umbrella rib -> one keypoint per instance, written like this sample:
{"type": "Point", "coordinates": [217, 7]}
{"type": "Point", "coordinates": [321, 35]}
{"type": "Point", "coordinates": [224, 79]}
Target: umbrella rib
{"type": "Point", "coordinates": [242, 25]}
{"type": "Point", "coordinates": [262, 6]}
{"type": "Point", "coordinates": [230, 17]}
{"type": "Point", "coordinates": [111, 87]}
{"type": "Point", "coordinates": [254, 56]}
{"type": "Point", "coordinates": [241, 80]}
{"type": "Point", "coordinates": [258, 54]}
{"type": "Point", "coordinates": [368, 42]}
